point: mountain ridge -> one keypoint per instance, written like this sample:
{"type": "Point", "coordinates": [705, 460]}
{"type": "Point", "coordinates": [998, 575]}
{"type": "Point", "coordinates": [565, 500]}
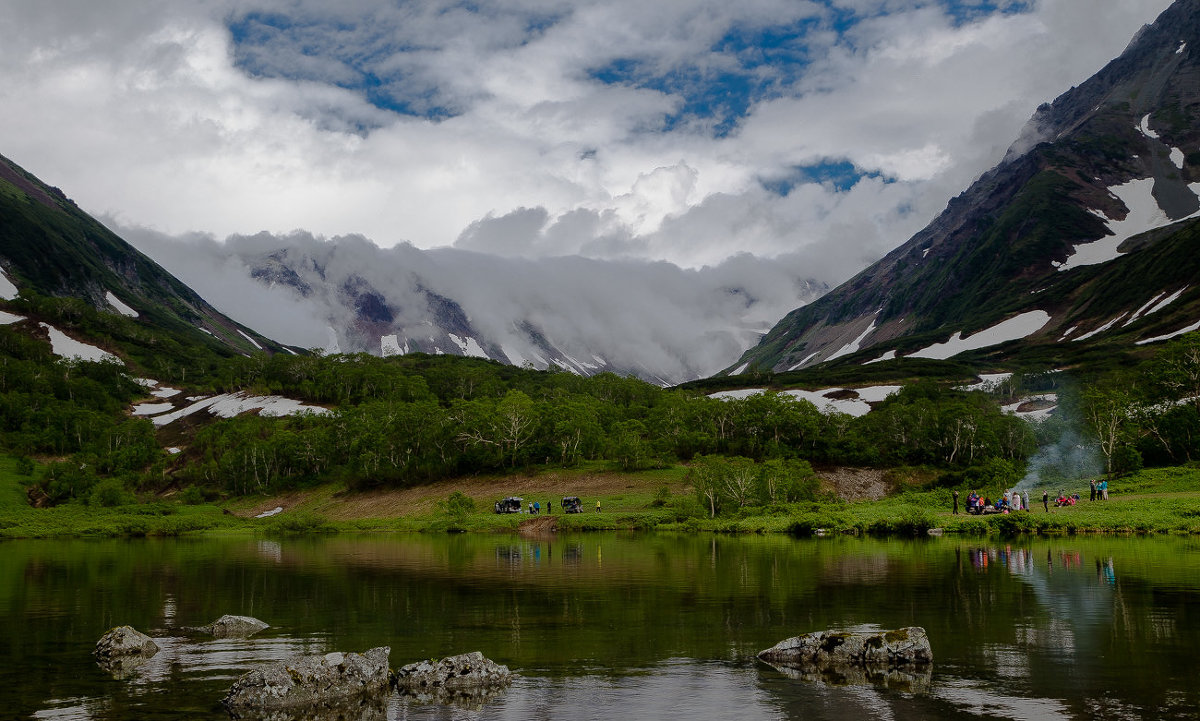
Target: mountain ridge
{"type": "Point", "coordinates": [1003, 240]}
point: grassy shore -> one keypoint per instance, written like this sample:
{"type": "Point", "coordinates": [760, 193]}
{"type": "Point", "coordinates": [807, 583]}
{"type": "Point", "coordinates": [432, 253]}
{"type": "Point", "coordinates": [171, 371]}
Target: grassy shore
{"type": "Point", "coordinates": [1165, 500]}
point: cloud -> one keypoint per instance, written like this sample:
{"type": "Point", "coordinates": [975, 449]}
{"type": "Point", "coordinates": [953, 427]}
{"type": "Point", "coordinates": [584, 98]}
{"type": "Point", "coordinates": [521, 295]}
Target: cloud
{"type": "Point", "coordinates": [618, 129]}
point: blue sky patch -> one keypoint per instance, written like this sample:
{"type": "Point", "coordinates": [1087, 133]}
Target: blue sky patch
{"type": "Point", "coordinates": [840, 174]}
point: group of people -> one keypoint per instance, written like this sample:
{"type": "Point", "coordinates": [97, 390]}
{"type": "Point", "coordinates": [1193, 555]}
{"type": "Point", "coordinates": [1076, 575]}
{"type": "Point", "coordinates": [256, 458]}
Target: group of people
{"type": "Point", "coordinates": [1010, 501]}
{"type": "Point", "coordinates": [1014, 501]}
{"type": "Point", "coordinates": [535, 508]}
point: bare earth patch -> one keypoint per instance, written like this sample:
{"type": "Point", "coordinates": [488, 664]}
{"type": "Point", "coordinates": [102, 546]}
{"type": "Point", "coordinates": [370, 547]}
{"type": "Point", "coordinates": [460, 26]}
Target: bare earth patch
{"type": "Point", "coordinates": [856, 484]}
{"type": "Point", "coordinates": [484, 490]}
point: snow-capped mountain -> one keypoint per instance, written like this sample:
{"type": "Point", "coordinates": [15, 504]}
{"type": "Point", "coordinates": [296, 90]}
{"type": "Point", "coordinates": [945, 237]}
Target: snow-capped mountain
{"type": "Point", "coordinates": [654, 320]}
{"type": "Point", "coordinates": [1085, 237]}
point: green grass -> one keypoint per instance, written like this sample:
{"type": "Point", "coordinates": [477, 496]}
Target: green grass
{"type": "Point", "coordinates": [1153, 501]}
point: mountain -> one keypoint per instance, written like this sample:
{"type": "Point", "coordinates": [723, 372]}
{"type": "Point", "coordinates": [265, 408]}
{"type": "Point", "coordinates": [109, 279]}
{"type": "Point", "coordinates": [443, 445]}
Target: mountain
{"type": "Point", "coordinates": [657, 321]}
{"type": "Point", "coordinates": [60, 265]}
{"type": "Point", "coordinates": [1082, 243]}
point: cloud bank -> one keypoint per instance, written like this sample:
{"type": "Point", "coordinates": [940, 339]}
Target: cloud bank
{"type": "Point", "coordinates": [687, 132]}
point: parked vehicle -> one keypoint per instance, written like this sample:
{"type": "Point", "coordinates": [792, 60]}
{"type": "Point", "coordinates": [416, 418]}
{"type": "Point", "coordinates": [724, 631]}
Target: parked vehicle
{"type": "Point", "coordinates": [512, 504]}
{"type": "Point", "coordinates": [572, 504]}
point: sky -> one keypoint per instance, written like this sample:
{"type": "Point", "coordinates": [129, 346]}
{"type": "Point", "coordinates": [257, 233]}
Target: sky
{"type": "Point", "coordinates": [687, 132]}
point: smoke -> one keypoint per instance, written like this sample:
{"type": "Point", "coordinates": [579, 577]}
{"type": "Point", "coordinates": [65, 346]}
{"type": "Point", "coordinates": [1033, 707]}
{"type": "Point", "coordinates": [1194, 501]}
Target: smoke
{"type": "Point", "coordinates": [1065, 461]}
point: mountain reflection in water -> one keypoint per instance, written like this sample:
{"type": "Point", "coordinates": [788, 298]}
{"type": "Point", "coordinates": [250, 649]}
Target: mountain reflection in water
{"type": "Point", "coordinates": [617, 625]}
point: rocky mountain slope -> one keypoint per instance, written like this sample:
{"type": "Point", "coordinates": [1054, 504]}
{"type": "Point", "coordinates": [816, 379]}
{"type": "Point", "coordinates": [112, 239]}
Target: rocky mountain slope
{"type": "Point", "coordinates": [58, 264]}
{"type": "Point", "coordinates": [1083, 240]}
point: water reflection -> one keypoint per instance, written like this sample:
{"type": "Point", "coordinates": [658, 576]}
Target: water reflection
{"type": "Point", "coordinates": [617, 625]}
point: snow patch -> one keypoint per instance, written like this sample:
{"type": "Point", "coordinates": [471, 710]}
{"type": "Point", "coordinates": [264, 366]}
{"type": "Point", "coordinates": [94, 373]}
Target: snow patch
{"type": "Point", "coordinates": [273, 512]}
{"type": "Point", "coordinates": [206, 330]}
{"type": "Point", "coordinates": [852, 347]}
{"type": "Point", "coordinates": [1070, 330]}
{"type": "Point", "coordinates": [859, 406]}
{"type": "Point", "coordinates": [1099, 330]}
{"type": "Point", "coordinates": [331, 345]}
{"type": "Point", "coordinates": [740, 369]}
{"type": "Point", "coordinates": [1137, 313]}
{"type": "Point", "coordinates": [1181, 48]}
{"type": "Point", "coordinates": [1169, 336]}
{"type": "Point", "coordinates": [1145, 127]}
{"type": "Point", "coordinates": [987, 382]}
{"type": "Point", "coordinates": [890, 355]}
{"type": "Point", "coordinates": [1144, 214]}
{"type": "Point", "coordinates": [1047, 401]}
{"type": "Point", "coordinates": [65, 346]}
{"type": "Point", "coordinates": [123, 309]}
{"type": "Point", "coordinates": [804, 362]}
{"type": "Point", "coordinates": [924, 253]}
{"type": "Point", "coordinates": [228, 405]}
{"type": "Point", "coordinates": [252, 341]}
{"type": "Point", "coordinates": [1177, 157]}
{"type": "Point", "coordinates": [1012, 329]}
{"type": "Point", "coordinates": [173, 450]}
{"type": "Point", "coordinates": [513, 356]}
{"type": "Point", "coordinates": [165, 392]}
{"type": "Point", "coordinates": [390, 345]}
{"type": "Point", "coordinates": [150, 409]}
{"type": "Point", "coordinates": [469, 346]}
{"type": "Point", "coordinates": [8, 291]}
{"type": "Point", "coordinates": [1167, 301]}
{"type": "Point", "coordinates": [7, 318]}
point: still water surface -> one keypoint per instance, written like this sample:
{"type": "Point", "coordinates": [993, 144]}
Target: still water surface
{"type": "Point", "coordinates": [609, 626]}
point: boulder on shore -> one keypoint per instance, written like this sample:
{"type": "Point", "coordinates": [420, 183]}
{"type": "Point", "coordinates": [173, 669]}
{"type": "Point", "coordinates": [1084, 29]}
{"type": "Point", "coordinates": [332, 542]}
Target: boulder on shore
{"type": "Point", "coordinates": [124, 641]}
{"type": "Point", "coordinates": [232, 627]}
{"type": "Point", "coordinates": [467, 672]}
{"type": "Point", "coordinates": [824, 649]}
{"type": "Point", "coordinates": [311, 682]}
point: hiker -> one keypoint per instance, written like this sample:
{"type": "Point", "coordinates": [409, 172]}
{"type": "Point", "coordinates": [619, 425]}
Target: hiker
{"type": "Point", "coordinates": [1026, 499]}
{"type": "Point", "coordinates": [955, 501]}
{"type": "Point", "coordinates": [1104, 490]}
{"type": "Point", "coordinates": [549, 508]}
{"type": "Point", "coordinates": [1092, 486]}
{"type": "Point", "coordinates": [1016, 501]}
{"type": "Point", "coordinates": [1046, 500]}
{"type": "Point", "coordinates": [597, 506]}
{"type": "Point", "coordinates": [537, 508]}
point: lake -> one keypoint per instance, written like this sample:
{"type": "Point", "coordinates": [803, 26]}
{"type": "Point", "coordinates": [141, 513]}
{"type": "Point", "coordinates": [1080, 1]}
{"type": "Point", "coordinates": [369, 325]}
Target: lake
{"type": "Point", "coordinates": [604, 626]}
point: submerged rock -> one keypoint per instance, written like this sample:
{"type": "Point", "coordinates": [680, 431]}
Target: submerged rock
{"type": "Point", "coordinates": [310, 682]}
{"type": "Point", "coordinates": [468, 674]}
{"type": "Point", "coordinates": [826, 649]}
{"type": "Point", "coordinates": [232, 627]}
{"type": "Point", "coordinates": [124, 641]}
{"type": "Point", "coordinates": [906, 679]}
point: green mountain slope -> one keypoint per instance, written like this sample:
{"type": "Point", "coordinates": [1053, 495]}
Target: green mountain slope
{"type": "Point", "coordinates": [1119, 152]}
{"type": "Point", "coordinates": [68, 268]}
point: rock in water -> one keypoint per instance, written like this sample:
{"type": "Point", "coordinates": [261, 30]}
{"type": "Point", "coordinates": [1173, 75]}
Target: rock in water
{"type": "Point", "coordinates": [232, 627]}
{"type": "Point", "coordinates": [904, 646]}
{"type": "Point", "coordinates": [311, 682]}
{"type": "Point", "coordinates": [467, 672]}
{"type": "Point", "coordinates": [124, 641]}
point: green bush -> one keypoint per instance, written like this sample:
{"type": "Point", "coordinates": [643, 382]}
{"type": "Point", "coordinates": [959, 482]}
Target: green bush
{"type": "Point", "coordinates": [110, 493]}
{"type": "Point", "coordinates": [297, 523]}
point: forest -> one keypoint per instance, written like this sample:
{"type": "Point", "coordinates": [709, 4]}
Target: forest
{"type": "Point", "coordinates": [412, 419]}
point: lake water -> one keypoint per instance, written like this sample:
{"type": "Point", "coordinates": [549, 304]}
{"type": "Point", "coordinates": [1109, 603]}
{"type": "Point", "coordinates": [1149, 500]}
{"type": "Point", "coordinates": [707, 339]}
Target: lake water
{"type": "Point", "coordinates": [615, 626]}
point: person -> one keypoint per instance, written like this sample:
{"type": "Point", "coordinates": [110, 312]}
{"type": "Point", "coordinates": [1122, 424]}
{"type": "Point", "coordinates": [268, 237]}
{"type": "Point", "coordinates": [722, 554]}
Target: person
{"type": "Point", "coordinates": [549, 508]}
{"type": "Point", "coordinates": [1026, 499]}
{"type": "Point", "coordinates": [955, 502]}
{"type": "Point", "coordinates": [537, 508]}
{"type": "Point", "coordinates": [1092, 492]}
{"type": "Point", "coordinates": [1016, 501]}
{"type": "Point", "coordinates": [1104, 490]}
{"type": "Point", "coordinates": [531, 508]}
{"type": "Point", "coordinates": [1046, 500]}
{"type": "Point", "coordinates": [597, 506]}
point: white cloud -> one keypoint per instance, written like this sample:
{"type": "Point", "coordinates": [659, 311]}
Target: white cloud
{"type": "Point", "coordinates": [141, 112]}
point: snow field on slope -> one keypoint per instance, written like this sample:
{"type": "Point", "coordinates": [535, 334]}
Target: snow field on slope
{"type": "Point", "coordinates": [6, 318]}
{"type": "Point", "coordinates": [8, 291]}
{"type": "Point", "coordinates": [1012, 329]}
{"type": "Point", "coordinates": [228, 405]}
{"type": "Point", "coordinates": [123, 309]}
{"type": "Point", "coordinates": [67, 347]}
{"type": "Point", "coordinates": [850, 406]}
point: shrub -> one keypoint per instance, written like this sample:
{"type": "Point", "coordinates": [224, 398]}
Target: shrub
{"type": "Point", "coordinates": [297, 523]}
{"type": "Point", "coordinates": [192, 496]}
{"type": "Point", "coordinates": [109, 493]}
